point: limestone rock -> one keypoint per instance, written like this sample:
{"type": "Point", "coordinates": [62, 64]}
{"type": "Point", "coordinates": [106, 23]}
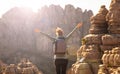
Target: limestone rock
{"type": "Point", "coordinates": [111, 39]}
{"type": "Point", "coordinates": [99, 18]}
{"type": "Point", "coordinates": [93, 39]}
{"type": "Point", "coordinates": [99, 23]}
{"type": "Point", "coordinates": [11, 69]}
{"type": "Point", "coordinates": [102, 69]}
{"type": "Point", "coordinates": [113, 16]}
{"type": "Point", "coordinates": [114, 29]}
{"type": "Point", "coordinates": [106, 47]}
{"type": "Point", "coordinates": [90, 52]}
{"type": "Point", "coordinates": [81, 68]}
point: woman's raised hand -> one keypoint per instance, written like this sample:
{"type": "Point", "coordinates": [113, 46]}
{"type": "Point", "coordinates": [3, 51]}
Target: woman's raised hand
{"type": "Point", "coordinates": [79, 25]}
{"type": "Point", "coordinates": [37, 30]}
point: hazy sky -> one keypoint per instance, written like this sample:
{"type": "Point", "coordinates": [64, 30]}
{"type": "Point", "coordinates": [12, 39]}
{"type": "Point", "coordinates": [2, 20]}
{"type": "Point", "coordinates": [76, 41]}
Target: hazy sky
{"type": "Point", "coordinates": [94, 5]}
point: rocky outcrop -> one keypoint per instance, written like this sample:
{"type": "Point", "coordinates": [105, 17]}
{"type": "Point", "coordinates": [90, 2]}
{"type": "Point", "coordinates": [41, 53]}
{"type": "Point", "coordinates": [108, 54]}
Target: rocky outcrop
{"type": "Point", "coordinates": [24, 67]}
{"type": "Point", "coordinates": [99, 24]}
{"type": "Point", "coordinates": [104, 37]}
{"type": "Point", "coordinates": [111, 41]}
{"type": "Point", "coordinates": [90, 51]}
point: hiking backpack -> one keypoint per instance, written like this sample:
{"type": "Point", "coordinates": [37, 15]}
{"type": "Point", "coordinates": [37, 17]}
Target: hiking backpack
{"type": "Point", "coordinates": [60, 46]}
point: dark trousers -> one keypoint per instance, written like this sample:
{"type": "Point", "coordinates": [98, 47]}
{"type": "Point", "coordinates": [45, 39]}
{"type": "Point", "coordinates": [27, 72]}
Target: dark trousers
{"type": "Point", "coordinates": [61, 66]}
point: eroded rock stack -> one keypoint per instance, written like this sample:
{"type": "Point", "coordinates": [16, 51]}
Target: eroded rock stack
{"type": "Point", "coordinates": [27, 67]}
{"type": "Point", "coordinates": [2, 67]}
{"type": "Point", "coordinates": [111, 62]}
{"type": "Point", "coordinates": [104, 36]}
{"type": "Point", "coordinates": [90, 50]}
{"type": "Point", "coordinates": [111, 41]}
{"type": "Point", "coordinates": [99, 24]}
{"type": "Point", "coordinates": [24, 67]}
{"type": "Point", "coordinates": [113, 17]}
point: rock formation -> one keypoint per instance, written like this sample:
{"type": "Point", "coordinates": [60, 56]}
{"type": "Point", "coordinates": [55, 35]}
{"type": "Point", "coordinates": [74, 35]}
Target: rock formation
{"type": "Point", "coordinates": [104, 37]}
{"type": "Point", "coordinates": [111, 41]}
{"type": "Point", "coordinates": [112, 61]}
{"type": "Point", "coordinates": [24, 67]}
{"type": "Point", "coordinates": [90, 49]}
{"type": "Point", "coordinates": [99, 24]}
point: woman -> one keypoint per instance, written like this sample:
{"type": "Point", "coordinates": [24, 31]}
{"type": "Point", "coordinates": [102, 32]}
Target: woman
{"type": "Point", "coordinates": [60, 57]}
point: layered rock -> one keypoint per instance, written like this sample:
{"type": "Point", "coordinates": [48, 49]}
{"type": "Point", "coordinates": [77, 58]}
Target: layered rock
{"type": "Point", "coordinates": [104, 36]}
{"type": "Point", "coordinates": [90, 49]}
{"type": "Point", "coordinates": [111, 41]}
{"type": "Point", "coordinates": [111, 61]}
{"type": "Point", "coordinates": [2, 67]}
{"type": "Point", "coordinates": [113, 17]}
{"type": "Point", "coordinates": [99, 24]}
{"type": "Point", "coordinates": [24, 67]}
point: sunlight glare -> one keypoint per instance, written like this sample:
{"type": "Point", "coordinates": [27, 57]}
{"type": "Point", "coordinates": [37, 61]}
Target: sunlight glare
{"type": "Point", "coordinates": [34, 4]}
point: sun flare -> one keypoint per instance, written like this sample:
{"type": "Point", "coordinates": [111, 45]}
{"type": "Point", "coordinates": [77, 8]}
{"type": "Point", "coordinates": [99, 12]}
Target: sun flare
{"type": "Point", "coordinates": [34, 4]}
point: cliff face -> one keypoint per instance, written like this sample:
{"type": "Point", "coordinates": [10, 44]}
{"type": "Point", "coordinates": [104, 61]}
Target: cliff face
{"type": "Point", "coordinates": [18, 37]}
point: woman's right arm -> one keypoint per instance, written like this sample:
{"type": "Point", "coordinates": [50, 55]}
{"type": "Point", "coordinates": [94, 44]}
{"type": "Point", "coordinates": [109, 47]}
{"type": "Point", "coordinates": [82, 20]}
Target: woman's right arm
{"type": "Point", "coordinates": [48, 36]}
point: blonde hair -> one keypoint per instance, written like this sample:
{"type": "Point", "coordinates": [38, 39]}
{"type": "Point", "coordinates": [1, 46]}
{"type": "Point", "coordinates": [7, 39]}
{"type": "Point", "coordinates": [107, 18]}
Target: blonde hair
{"type": "Point", "coordinates": [59, 31]}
